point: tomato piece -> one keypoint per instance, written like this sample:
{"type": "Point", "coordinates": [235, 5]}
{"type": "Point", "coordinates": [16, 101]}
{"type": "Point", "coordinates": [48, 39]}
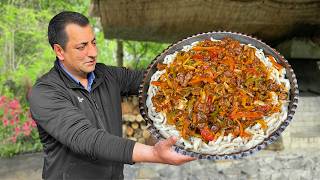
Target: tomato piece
{"type": "Point", "coordinates": [264, 108]}
{"type": "Point", "coordinates": [213, 55]}
{"type": "Point", "coordinates": [197, 56]}
{"type": "Point", "coordinates": [161, 66]}
{"type": "Point", "coordinates": [207, 134]}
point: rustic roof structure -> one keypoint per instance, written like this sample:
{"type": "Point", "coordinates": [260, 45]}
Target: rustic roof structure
{"type": "Point", "coordinates": [170, 20]}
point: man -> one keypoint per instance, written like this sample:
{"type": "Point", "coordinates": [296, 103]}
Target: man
{"type": "Point", "coordinates": [77, 108]}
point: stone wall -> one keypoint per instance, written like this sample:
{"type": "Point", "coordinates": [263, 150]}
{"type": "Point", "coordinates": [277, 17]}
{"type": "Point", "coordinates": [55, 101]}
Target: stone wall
{"type": "Point", "coordinates": [304, 130]}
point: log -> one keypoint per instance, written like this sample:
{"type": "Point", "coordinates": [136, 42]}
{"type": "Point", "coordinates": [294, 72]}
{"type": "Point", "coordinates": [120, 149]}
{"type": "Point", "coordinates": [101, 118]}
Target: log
{"type": "Point", "coordinates": [135, 125]}
{"type": "Point", "coordinates": [129, 131]}
{"type": "Point", "coordinates": [129, 117]}
{"type": "Point", "coordinates": [143, 126]}
{"type": "Point", "coordinates": [141, 140]}
{"type": "Point", "coordinates": [136, 110]}
{"type": "Point", "coordinates": [137, 133]}
{"type": "Point", "coordinates": [145, 134]}
{"type": "Point", "coordinates": [139, 118]}
{"type": "Point", "coordinates": [135, 101]}
{"type": "Point", "coordinates": [126, 107]}
{"type": "Point", "coordinates": [132, 138]}
{"type": "Point", "coordinates": [151, 141]}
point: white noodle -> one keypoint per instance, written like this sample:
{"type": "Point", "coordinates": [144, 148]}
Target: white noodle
{"type": "Point", "coordinates": [224, 144]}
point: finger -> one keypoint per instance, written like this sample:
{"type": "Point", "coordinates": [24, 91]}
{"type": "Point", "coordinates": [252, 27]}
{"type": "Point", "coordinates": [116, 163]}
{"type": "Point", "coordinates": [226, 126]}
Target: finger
{"type": "Point", "coordinates": [180, 159]}
{"type": "Point", "coordinates": [185, 158]}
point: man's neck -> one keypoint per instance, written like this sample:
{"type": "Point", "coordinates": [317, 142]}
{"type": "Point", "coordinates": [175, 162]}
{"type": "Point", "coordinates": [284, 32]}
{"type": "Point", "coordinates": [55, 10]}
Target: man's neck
{"type": "Point", "coordinates": [85, 79]}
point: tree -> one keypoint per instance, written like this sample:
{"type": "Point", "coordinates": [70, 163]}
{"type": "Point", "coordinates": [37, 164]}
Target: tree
{"type": "Point", "coordinates": [22, 44]}
{"type": "Point", "coordinates": [140, 54]}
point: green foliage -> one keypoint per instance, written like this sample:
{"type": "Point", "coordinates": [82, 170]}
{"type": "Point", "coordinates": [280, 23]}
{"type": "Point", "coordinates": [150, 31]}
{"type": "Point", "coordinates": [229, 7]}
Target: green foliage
{"type": "Point", "coordinates": [107, 49]}
{"type": "Point", "coordinates": [24, 51]}
{"type": "Point", "coordinates": [23, 48]}
{"type": "Point", "coordinates": [55, 6]}
{"type": "Point", "coordinates": [138, 55]}
{"type": "Point", "coordinates": [9, 150]}
{"type": "Point", "coordinates": [25, 55]}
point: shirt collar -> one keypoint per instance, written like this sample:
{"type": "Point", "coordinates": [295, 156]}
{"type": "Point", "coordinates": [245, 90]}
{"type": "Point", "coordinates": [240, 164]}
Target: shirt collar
{"type": "Point", "coordinates": [90, 77]}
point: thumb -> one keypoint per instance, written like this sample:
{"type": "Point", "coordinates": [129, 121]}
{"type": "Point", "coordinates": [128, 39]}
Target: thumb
{"type": "Point", "coordinates": [171, 141]}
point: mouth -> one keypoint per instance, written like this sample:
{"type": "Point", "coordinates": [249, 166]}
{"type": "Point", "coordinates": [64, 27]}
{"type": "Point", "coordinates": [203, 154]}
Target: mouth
{"type": "Point", "coordinates": [89, 63]}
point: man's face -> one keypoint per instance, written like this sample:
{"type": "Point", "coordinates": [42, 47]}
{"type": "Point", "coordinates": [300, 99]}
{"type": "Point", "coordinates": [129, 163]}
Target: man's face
{"type": "Point", "coordinates": [80, 53]}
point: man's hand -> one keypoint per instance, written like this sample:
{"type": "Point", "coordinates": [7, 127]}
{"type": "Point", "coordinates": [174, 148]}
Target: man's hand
{"type": "Point", "coordinates": [161, 152]}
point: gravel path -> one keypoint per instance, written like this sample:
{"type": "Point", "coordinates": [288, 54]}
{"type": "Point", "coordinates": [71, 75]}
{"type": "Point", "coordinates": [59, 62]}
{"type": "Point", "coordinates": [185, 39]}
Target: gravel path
{"type": "Point", "coordinates": [263, 165]}
{"type": "Point", "coordinates": [269, 165]}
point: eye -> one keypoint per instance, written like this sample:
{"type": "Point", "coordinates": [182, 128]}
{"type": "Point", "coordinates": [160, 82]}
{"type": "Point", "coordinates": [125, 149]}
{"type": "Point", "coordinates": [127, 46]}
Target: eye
{"type": "Point", "coordinates": [80, 48]}
{"type": "Point", "coordinates": [94, 42]}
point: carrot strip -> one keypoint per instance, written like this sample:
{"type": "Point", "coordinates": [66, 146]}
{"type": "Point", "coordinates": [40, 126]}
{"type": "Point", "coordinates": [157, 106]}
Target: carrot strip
{"type": "Point", "coordinates": [275, 63]}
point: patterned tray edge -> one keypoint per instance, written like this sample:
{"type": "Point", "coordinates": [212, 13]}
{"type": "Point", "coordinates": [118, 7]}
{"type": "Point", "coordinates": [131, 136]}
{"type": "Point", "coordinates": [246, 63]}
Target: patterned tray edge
{"type": "Point", "coordinates": [294, 96]}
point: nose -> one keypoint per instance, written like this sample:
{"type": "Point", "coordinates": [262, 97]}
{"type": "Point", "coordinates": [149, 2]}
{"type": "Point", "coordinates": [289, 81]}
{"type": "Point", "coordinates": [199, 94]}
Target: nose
{"type": "Point", "coordinates": [93, 50]}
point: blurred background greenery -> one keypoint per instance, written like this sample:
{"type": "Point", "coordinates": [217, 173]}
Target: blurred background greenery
{"type": "Point", "coordinates": [25, 55]}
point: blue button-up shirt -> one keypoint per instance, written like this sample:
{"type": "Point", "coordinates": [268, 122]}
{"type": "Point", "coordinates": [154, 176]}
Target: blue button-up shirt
{"type": "Point", "coordinates": [90, 77]}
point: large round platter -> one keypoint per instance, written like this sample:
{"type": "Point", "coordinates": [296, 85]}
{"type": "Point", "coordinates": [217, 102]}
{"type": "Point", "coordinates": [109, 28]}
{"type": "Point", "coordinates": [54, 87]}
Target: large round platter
{"type": "Point", "coordinates": [243, 39]}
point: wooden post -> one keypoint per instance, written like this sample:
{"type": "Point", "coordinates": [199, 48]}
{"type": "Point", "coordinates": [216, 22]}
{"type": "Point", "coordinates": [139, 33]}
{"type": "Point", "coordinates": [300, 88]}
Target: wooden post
{"type": "Point", "coordinates": [119, 53]}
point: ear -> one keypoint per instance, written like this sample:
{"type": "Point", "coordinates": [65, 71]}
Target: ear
{"type": "Point", "coordinates": [58, 50]}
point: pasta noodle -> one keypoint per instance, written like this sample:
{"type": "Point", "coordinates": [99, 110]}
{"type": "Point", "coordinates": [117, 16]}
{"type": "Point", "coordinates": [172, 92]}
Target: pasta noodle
{"type": "Point", "coordinates": [225, 143]}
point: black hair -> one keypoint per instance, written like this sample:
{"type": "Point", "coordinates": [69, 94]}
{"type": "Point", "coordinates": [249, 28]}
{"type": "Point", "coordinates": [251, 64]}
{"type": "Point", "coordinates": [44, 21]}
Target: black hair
{"type": "Point", "coordinates": [56, 28]}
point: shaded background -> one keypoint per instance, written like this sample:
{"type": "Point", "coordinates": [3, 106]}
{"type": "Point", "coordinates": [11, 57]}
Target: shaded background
{"type": "Point", "coordinates": [132, 33]}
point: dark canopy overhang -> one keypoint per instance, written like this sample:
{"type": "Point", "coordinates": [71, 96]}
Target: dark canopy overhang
{"type": "Point", "coordinates": [170, 20]}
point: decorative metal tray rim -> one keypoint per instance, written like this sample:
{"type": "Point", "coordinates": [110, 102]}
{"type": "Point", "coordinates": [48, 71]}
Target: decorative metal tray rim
{"type": "Point", "coordinates": [245, 39]}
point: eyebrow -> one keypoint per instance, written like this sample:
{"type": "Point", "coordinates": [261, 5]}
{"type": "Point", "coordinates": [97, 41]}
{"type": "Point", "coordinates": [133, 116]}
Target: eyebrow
{"type": "Point", "coordinates": [85, 43]}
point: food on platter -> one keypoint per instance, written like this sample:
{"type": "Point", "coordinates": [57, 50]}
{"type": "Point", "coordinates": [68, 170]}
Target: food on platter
{"type": "Point", "coordinates": [218, 96]}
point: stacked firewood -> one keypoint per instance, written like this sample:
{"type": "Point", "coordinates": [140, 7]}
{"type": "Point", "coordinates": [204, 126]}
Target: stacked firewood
{"type": "Point", "coordinates": [134, 126]}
